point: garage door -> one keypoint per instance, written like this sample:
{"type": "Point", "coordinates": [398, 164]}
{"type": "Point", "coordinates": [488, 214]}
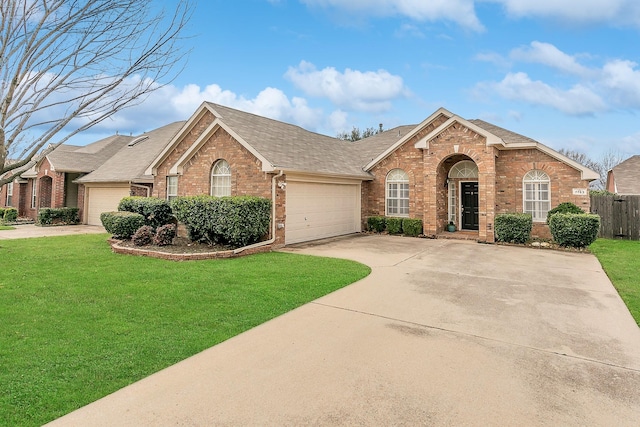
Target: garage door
{"type": "Point", "coordinates": [319, 210]}
{"type": "Point", "coordinates": [103, 200]}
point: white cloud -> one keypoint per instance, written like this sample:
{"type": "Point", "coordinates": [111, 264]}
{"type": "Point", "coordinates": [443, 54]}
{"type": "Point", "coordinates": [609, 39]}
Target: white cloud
{"type": "Point", "coordinates": [630, 144]}
{"type": "Point", "coordinates": [461, 12]}
{"type": "Point", "coordinates": [370, 91]}
{"type": "Point", "coordinates": [409, 30]}
{"type": "Point", "coordinates": [614, 12]}
{"type": "Point", "coordinates": [549, 55]}
{"type": "Point", "coordinates": [577, 100]}
{"type": "Point", "coordinates": [622, 79]}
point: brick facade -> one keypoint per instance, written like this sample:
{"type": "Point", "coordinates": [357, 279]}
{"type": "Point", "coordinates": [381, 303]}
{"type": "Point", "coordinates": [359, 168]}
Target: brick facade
{"type": "Point", "coordinates": [247, 177]}
{"type": "Point", "coordinates": [500, 179]}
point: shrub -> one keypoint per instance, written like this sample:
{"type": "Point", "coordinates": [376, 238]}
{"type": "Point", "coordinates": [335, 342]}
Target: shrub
{"type": "Point", "coordinates": [566, 207]}
{"type": "Point", "coordinates": [60, 216]}
{"type": "Point", "coordinates": [164, 235]}
{"type": "Point", "coordinates": [10, 214]}
{"type": "Point", "coordinates": [412, 226]}
{"type": "Point", "coordinates": [237, 221]}
{"type": "Point", "coordinates": [394, 225]}
{"type": "Point", "coordinates": [376, 223]}
{"type": "Point", "coordinates": [574, 230]}
{"type": "Point", "coordinates": [143, 236]}
{"type": "Point", "coordinates": [156, 212]}
{"type": "Point", "coordinates": [121, 225]}
{"type": "Point", "coordinates": [513, 227]}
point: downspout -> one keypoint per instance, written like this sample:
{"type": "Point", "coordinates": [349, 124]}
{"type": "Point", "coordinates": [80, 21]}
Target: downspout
{"type": "Point", "coordinates": [131, 184]}
{"type": "Point", "coordinates": [273, 218]}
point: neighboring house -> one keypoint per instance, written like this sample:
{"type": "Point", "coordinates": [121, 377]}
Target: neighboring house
{"type": "Point", "coordinates": [123, 174]}
{"type": "Point", "coordinates": [625, 178]}
{"type": "Point", "coordinates": [445, 169]}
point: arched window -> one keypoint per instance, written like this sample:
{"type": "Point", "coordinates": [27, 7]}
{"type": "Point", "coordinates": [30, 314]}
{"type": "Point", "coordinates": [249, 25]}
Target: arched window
{"type": "Point", "coordinates": [397, 193]}
{"type": "Point", "coordinates": [464, 169]}
{"type": "Point", "coordinates": [536, 194]}
{"type": "Point", "coordinates": [221, 179]}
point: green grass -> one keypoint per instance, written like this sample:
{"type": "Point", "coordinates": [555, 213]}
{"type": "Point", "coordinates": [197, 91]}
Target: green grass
{"type": "Point", "coordinates": [621, 261]}
{"type": "Point", "coordinates": [79, 322]}
{"type": "Point", "coordinates": [6, 227]}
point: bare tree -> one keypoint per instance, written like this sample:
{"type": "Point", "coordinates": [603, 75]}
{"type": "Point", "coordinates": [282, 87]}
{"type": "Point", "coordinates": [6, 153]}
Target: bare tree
{"type": "Point", "coordinates": [356, 134]}
{"type": "Point", "coordinates": [602, 166]}
{"type": "Point", "coordinates": [67, 65]}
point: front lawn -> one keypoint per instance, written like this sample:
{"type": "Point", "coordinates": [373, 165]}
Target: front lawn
{"type": "Point", "coordinates": [79, 322]}
{"type": "Point", "coordinates": [621, 261]}
{"type": "Point", "coordinates": [6, 227]}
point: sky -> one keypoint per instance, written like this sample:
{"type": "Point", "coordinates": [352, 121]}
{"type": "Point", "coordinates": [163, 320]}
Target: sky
{"type": "Point", "coordinates": [563, 72]}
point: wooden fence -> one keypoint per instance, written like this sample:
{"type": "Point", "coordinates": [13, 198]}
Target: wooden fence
{"type": "Point", "coordinates": [619, 216]}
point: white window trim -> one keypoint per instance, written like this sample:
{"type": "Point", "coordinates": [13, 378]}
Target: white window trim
{"type": "Point", "coordinates": [9, 194]}
{"type": "Point", "coordinates": [536, 181]}
{"type": "Point", "coordinates": [34, 194]}
{"type": "Point", "coordinates": [172, 194]}
{"type": "Point", "coordinates": [215, 176]}
{"type": "Point", "coordinates": [386, 193]}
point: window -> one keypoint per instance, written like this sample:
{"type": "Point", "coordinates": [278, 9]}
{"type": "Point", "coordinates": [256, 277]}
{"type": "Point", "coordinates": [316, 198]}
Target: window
{"type": "Point", "coordinates": [537, 195]}
{"type": "Point", "coordinates": [397, 193]}
{"type": "Point", "coordinates": [221, 179]}
{"type": "Point", "coordinates": [9, 194]}
{"type": "Point", "coordinates": [464, 169]}
{"type": "Point", "coordinates": [34, 194]}
{"type": "Point", "coordinates": [172, 187]}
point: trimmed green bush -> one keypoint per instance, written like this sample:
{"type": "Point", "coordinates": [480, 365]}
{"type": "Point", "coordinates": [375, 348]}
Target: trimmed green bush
{"type": "Point", "coordinates": [58, 216]}
{"type": "Point", "coordinates": [513, 227]}
{"type": "Point", "coordinates": [566, 207]}
{"type": "Point", "coordinates": [164, 235]}
{"type": "Point", "coordinates": [156, 212]}
{"type": "Point", "coordinates": [394, 225]}
{"type": "Point", "coordinates": [121, 224]}
{"type": "Point", "coordinates": [412, 226]}
{"type": "Point", "coordinates": [10, 214]}
{"type": "Point", "coordinates": [237, 221]}
{"type": "Point", "coordinates": [143, 236]}
{"type": "Point", "coordinates": [574, 230]}
{"type": "Point", "coordinates": [376, 223]}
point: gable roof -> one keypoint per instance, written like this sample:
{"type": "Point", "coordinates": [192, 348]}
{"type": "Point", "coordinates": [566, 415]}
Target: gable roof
{"type": "Point", "coordinates": [130, 162]}
{"type": "Point", "coordinates": [278, 145]}
{"type": "Point", "coordinates": [626, 176]}
{"type": "Point", "coordinates": [72, 158]}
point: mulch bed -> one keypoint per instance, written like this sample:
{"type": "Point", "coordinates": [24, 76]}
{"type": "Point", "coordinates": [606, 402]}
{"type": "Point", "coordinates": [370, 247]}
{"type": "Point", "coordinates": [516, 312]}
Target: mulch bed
{"type": "Point", "coordinates": [181, 245]}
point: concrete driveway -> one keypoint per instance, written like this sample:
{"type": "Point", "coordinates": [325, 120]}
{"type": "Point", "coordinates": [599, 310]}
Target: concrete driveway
{"type": "Point", "coordinates": [442, 333]}
{"type": "Point", "coordinates": [31, 230]}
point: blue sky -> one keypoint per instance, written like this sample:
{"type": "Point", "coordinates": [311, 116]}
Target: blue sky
{"type": "Point", "coordinates": [563, 72]}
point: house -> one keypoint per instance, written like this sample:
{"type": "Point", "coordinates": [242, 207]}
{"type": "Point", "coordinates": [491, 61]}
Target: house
{"type": "Point", "coordinates": [445, 169]}
{"type": "Point", "coordinates": [123, 173]}
{"type": "Point", "coordinates": [624, 178]}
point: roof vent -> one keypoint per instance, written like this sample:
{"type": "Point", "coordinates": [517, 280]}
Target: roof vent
{"type": "Point", "coordinates": [137, 140]}
{"type": "Point", "coordinates": [399, 135]}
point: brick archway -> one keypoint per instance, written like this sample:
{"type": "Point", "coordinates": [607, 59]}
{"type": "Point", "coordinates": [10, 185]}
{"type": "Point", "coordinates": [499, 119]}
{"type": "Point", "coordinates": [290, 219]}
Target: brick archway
{"type": "Point", "coordinates": [449, 191]}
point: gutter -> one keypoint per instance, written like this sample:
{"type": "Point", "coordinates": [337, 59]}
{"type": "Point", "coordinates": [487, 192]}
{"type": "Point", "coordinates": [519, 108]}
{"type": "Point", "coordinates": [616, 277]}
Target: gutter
{"type": "Point", "coordinates": [273, 218]}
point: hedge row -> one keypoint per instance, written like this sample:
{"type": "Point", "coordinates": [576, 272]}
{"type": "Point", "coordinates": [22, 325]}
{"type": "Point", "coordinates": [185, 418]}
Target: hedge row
{"type": "Point", "coordinates": [574, 230]}
{"type": "Point", "coordinates": [393, 225]}
{"type": "Point", "coordinates": [513, 227]}
{"type": "Point", "coordinates": [59, 216]}
{"type": "Point", "coordinates": [237, 221]}
{"type": "Point", "coordinates": [156, 212]}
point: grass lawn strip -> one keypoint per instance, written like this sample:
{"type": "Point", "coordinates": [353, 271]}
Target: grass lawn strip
{"type": "Point", "coordinates": [6, 227]}
{"type": "Point", "coordinates": [80, 322]}
{"type": "Point", "coordinates": [620, 259]}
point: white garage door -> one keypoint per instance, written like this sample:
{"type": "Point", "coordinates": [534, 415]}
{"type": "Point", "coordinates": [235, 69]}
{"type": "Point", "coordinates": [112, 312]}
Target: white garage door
{"type": "Point", "coordinates": [103, 200]}
{"type": "Point", "coordinates": [319, 210]}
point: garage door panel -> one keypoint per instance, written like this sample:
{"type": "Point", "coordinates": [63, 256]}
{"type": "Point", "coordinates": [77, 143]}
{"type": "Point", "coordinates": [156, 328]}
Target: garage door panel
{"type": "Point", "coordinates": [103, 200]}
{"type": "Point", "coordinates": [318, 210]}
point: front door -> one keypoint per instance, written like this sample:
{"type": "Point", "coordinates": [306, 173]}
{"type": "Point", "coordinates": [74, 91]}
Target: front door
{"type": "Point", "coordinates": [469, 205]}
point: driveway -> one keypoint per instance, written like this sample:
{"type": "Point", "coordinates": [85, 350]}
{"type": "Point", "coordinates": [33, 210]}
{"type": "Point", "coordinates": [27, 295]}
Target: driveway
{"type": "Point", "coordinates": [442, 333]}
{"type": "Point", "coordinates": [30, 230]}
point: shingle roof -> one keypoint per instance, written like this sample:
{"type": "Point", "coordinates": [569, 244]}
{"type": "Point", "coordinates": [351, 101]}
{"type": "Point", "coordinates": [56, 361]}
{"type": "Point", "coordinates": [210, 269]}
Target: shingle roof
{"type": "Point", "coordinates": [627, 176]}
{"type": "Point", "coordinates": [129, 163]}
{"type": "Point", "coordinates": [291, 147]}
{"type": "Point", "coordinates": [71, 158]}
{"type": "Point", "coordinates": [506, 135]}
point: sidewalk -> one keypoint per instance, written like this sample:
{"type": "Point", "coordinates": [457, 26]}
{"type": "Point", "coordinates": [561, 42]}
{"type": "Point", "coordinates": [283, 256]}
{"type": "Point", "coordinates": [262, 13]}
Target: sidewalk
{"type": "Point", "coordinates": [30, 230]}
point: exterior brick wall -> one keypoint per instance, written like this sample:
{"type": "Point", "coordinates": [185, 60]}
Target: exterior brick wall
{"type": "Point", "coordinates": [247, 177]}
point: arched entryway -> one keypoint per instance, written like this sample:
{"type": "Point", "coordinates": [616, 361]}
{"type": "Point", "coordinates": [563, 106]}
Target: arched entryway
{"type": "Point", "coordinates": [459, 201]}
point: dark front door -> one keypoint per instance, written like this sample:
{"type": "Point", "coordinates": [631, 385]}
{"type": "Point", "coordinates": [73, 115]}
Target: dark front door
{"type": "Point", "coordinates": [469, 203]}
